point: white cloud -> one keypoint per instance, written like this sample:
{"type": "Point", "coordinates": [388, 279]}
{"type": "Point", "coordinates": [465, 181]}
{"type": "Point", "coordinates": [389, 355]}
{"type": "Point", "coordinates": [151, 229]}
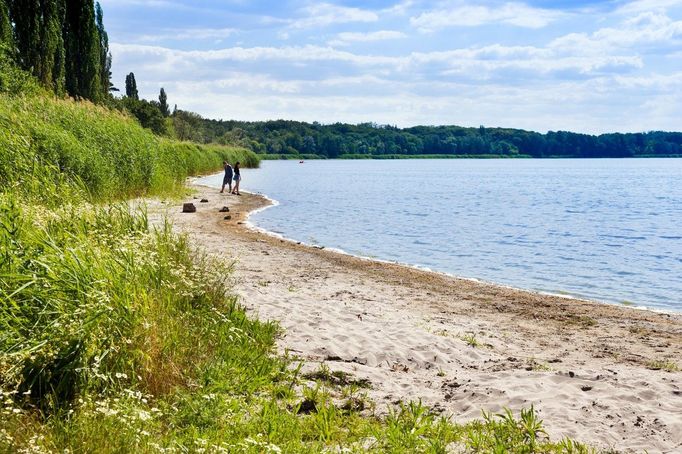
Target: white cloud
{"type": "Point", "coordinates": [189, 34]}
{"type": "Point", "coordinates": [317, 15]}
{"type": "Point", "coordinates": [645, 29]}
{"type": "Point", "coordinates": [517, 14]}
{"type": "Point", "coordinates": [640, 6]}
{"type": "Point", "coordinates": [346, 38]}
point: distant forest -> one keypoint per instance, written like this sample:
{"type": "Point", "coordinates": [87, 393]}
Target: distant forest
{"type": "Point", "coordinates": [293, 139]}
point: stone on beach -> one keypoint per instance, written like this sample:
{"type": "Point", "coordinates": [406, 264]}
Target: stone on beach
{"type": "Point", "coordinates": [189, 208]}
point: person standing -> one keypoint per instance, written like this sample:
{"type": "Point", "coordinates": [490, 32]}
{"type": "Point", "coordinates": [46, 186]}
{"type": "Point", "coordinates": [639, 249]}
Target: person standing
{"type": "Point", "coordinates": [227, 179]}
{"type": "Point", "coordinates": [237, 179]}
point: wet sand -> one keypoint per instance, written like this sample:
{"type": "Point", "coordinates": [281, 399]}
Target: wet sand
{"type": "Point", "coordinates": [591, 370]}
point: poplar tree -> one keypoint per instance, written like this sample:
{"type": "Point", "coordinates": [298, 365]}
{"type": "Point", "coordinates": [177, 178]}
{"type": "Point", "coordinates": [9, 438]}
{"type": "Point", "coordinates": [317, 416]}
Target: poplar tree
{"type": "Point", "coordinates": [104, 54]}
{"type": "Point", "coordinates": [6, 32]}
{"type": "Point", "coordinates": [27, 19]}
{"type": "Point", "coordinates": [82, 45]}
{"type": "Point", "coordinates": [131, 87]}
{"type": "Point", "coordinates": [163, 103]}
{"type": "Point", "coordinates": [51, 70]}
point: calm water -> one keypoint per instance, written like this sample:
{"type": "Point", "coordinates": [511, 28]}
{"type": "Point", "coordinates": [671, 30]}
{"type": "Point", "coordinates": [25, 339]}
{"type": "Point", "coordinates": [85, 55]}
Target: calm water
{"type": "Point", "coordinates": [608, 230]}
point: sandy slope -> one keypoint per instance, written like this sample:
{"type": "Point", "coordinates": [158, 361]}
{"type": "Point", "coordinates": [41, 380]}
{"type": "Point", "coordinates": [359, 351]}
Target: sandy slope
{"type": "Point", "coordinates": [583, 365]}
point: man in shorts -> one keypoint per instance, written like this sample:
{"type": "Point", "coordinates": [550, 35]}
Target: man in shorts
{"type": "Point", "coordinates": [227, 179]}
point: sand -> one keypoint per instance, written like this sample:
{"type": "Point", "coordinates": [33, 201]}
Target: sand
{"type": "Point", "coordinates": [461, 346]}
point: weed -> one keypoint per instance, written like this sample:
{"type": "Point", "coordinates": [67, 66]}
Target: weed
{"type": "Point", "coordinates": [666, 365]}
{"type": "Point", "coordinates": [470, 339]}
{"type": "Point", "coordinates": [337, 378]}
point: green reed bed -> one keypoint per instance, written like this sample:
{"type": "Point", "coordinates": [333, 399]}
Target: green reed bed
{"type": "Point", "coordinates": [46, 143]}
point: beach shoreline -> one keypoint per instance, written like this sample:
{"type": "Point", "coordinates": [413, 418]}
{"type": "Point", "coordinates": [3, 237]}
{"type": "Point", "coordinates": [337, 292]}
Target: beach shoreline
{"type": "Point", "coordinates": [594, 371]}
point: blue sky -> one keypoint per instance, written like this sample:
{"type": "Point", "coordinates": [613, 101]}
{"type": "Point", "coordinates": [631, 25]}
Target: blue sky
{"type": "Point", "coordinates": [587, 66]}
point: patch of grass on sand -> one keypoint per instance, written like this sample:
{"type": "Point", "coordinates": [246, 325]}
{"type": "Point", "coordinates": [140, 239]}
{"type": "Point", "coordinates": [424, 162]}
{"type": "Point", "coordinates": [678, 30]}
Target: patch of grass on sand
{"type": "Point", "coordinates": [583, 321]}
{"type": "Point", "coordinates": [666, 365]}
{"type": "Point", "coordinates": [470, 340]}
{"type": "Point", "coordinates": [336, 378]}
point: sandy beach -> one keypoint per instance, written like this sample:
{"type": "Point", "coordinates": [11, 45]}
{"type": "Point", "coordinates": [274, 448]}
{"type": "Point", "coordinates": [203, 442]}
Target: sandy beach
{"type": "Point", "coordinates": [594, 372]}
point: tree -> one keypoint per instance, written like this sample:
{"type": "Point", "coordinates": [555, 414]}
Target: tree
{"type": "Point", "coordinates": [38, 38]}
{"type": "Point", "coordinates": [52, 71]}
{"type": "Point", "coordinates": [147, 114]}
{"type": "Point", "coordinates": [104, 54]}
{"type": "Point", "coordinates": [131, 87]}
{"type": "Point", "coordinates": [27, 23]}
{"type": "Point", "coordinates": [163, 103]}
{"type": "Point", "coordinates": [6, 37]}
{"type": "Point", "coordinates": [82, 43]}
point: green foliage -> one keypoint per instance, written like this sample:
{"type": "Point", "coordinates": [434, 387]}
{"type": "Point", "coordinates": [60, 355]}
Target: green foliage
{"type": "Point", "coordinates": [369, 140]}
{"type": "Point", "coordinates": [12, 79]}
{"type": "Point", "coordinates": [189, 126]}
{"type": "Point", "coordinates": [104, 54]}
{"type": "Point", "coordinates": [50, 146]}
{"type": "Point", "coordinates": [131, 87]}
{"type": "Point", "coordinates": [58, 42]}
{"type": "Point", "coordinates": [6, 32]}
{"type": "Point", "coordinates": [82, 46]}
{"type": "Point", "coordinates": [163, 103]}
{"type": "Point", "coordinates": [147, 114]}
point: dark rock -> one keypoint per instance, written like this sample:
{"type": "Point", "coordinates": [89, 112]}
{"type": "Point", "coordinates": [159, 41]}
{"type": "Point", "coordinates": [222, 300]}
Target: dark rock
{"type": "Point", "coordinates": [224, 210]}
{"type": "Point", "coordinates": [571, 374]}
{"type": "Point", "coordinates": [585, 388]}
{"type": "Point", "coordinates": [228, 217]}
{"type": "Point", "coordinates": [204, 200]}
{"type": "Point", "coordinates": [307, 407]}
{"type": "Point", "coordinates": [189, 208]}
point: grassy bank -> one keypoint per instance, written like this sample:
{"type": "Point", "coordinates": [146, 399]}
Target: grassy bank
{"type": "Point", "coordinates": [48, 146]}
{"type": "Point", "coordinates": [116, 336]}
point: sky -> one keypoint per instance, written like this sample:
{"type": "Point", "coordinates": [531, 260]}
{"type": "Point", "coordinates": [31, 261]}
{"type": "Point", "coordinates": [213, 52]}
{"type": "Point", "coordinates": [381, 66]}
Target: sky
{"type": "Point", "coordinates": [584, 66]}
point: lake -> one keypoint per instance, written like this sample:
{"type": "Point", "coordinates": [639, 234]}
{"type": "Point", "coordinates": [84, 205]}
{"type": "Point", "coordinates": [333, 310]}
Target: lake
{"type": "Point", "coordinates": [607, 230]}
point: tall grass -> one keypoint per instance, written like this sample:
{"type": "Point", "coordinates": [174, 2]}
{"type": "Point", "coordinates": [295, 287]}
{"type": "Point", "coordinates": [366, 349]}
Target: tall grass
{"type": "Point", "coordinates": [49, 145]}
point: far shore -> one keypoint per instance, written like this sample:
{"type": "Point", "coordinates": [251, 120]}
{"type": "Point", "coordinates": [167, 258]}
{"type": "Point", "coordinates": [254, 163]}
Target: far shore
{"type": "Point", "coordinates": [603, 374]}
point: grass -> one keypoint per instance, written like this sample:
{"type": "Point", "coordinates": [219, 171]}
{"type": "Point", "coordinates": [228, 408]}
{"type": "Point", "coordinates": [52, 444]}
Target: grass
{"type": "Point", "coordinates": [116, 336]}
{"type": "Point", "coordinates": [666, 365]}
{"type": "Point", "coordinates": [470, 340]}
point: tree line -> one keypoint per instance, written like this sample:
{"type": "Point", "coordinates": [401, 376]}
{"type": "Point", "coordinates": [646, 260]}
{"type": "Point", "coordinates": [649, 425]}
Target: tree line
{"type": "Point", "coordinates": [293, 139]}
{"type": "Point", "coordinates": [62, 43]}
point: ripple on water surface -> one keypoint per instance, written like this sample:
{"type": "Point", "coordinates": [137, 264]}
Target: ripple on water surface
{"type": "Point", "coordinates": [600, 229]}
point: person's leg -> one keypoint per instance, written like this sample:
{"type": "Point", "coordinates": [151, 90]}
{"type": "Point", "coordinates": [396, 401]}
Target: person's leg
{"type": "Point", "coordinates": [223, 188]}
{"type": "Point", "coordinates": [236, 186]}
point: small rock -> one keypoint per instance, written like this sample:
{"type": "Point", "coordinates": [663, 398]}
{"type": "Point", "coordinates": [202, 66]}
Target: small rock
{"type": "Point", "coordinates": [224, 210]}
{"type": "Point", "coordinates": [189, 208]}
{"type": "Point", "coordinates": [228, 217]}
{"type": "Point", "coordinates": [204, 200]}
{"type": "Point", "coordinates": [571, 374]}
{"type": "Point", "coordinates": [586, 388]}
{"type": "Point", "coordinates": [307, 407]}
